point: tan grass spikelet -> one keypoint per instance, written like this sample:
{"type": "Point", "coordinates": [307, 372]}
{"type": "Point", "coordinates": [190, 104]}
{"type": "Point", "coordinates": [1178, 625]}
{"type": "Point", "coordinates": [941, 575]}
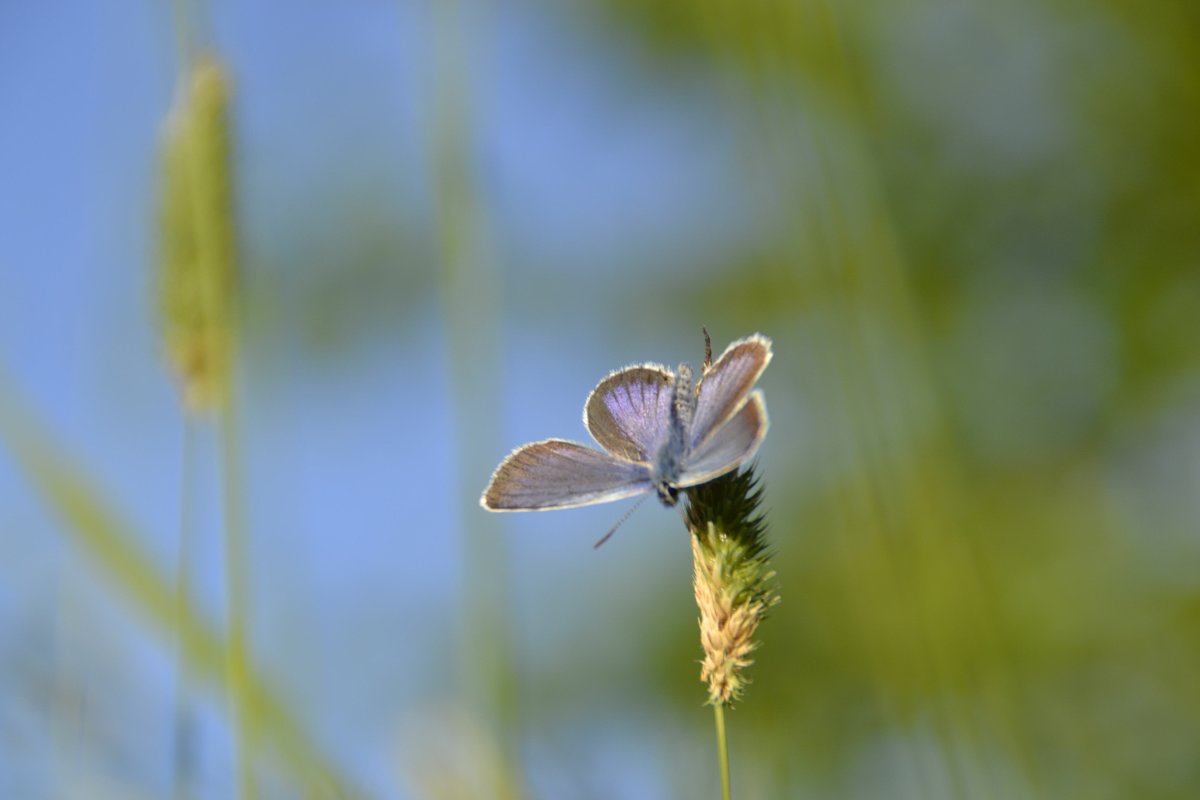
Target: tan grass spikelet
{"type": "Point", "coordinates": [727, 626]}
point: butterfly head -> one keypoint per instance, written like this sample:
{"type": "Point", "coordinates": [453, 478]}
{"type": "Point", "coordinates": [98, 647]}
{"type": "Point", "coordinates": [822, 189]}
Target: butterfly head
{"type": "Point", "coordinates": [667, 493]}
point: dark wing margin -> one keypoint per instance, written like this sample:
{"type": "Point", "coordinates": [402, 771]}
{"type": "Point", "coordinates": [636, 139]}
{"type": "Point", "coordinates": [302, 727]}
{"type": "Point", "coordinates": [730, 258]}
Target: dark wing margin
{"type": "Point", "coordinates": [627, 413]}
{"type": "Point", "coordinates": [724, 386]}
{"type": "Point", "coordinates": [730, 446]}
{"type": "Point", "coordinates": [559, 474]}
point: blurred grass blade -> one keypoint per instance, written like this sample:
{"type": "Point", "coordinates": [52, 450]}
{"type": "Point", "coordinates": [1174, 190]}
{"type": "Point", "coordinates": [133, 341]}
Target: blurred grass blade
{"type": "Point", "coordinates": [182, 755]}
{"type": "Point", "coordinates": [469, 294]}
{"type": "Point", "coordinates": [92, 523]}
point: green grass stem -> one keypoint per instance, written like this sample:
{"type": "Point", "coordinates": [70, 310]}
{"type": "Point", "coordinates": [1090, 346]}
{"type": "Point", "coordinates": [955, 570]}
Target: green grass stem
{"type": "Point", "coordinates": [722, 748]}
{"type": "Point", "coordinates": [237, 586]}
{"type": "Point", "coordinates": [182, 768]}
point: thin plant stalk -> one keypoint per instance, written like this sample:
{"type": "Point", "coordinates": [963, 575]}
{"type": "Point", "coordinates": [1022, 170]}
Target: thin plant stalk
{"type": "Point", "coordinates": [70, 698]}
{"type": "Point", "coordinates": [182, 771]}
{"type": "Point", "coordinates": [236, 582]}
{"type": "Point", "coordinates": [722, 748]}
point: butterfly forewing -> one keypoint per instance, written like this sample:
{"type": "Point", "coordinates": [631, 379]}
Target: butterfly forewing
{"type": "Point", "coordinates": [627, 412]}
{"type": "Point", "coordinates": [561, 474]}
{"type": "Point", "coordinates": [724, 386]}
{"type": "Point", "coordinates": [731, 445]}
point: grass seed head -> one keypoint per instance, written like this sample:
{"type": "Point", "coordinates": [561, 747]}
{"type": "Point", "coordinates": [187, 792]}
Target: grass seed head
{"type": "Point", "coordinates": [197, 269]}
{"type": "Point", "coordinates": [733, 585]}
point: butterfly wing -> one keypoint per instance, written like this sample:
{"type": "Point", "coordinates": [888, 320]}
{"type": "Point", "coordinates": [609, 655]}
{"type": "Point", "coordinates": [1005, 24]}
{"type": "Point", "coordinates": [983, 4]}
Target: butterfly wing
{"type": "Point", "coordinates": [628, 412]}
{"type": "Point", "coordinates": [561, 474]}
{"type": "Point", "coordinates": [732, 444]}
{"type": "Point", "coordinates": [724, 386]}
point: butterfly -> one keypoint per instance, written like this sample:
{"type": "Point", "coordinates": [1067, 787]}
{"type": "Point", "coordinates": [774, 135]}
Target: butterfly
{"type": "Point", "coordinates": [661, 432]}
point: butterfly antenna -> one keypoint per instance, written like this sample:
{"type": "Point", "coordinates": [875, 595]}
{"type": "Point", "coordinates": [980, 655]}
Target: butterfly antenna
{"type": "Point", "coordinates": [707, 350]}
{"type": "Point", "coordinates": [620, 522]}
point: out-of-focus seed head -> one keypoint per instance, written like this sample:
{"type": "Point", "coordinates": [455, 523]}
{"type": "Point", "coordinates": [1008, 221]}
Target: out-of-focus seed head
{"type": "Point", "coordinates": [197, 256]}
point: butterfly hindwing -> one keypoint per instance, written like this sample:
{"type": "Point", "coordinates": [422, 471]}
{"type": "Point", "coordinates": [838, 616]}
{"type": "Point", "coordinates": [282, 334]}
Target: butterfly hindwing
{"type": "Point", "coordinates": [729, 446]}
{"type": "Point", "coordinates": [724, 386]}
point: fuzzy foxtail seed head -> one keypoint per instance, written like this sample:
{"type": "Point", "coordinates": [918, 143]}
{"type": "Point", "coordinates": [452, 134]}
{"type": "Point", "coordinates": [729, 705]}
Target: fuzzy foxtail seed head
{"type": "Point", "coordinates": [733, 585]}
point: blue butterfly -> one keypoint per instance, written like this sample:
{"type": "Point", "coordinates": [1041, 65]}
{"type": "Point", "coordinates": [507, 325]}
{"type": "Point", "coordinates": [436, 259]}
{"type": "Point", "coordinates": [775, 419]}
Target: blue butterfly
{"type": "Point", "coordinates": [660, 432]}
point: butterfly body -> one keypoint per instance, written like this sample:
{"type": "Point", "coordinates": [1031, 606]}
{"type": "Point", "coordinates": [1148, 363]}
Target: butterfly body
{"type": "Point", "coordinates": [660, 432]}
{"type": "Point", "coordinates": [668, 462]}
